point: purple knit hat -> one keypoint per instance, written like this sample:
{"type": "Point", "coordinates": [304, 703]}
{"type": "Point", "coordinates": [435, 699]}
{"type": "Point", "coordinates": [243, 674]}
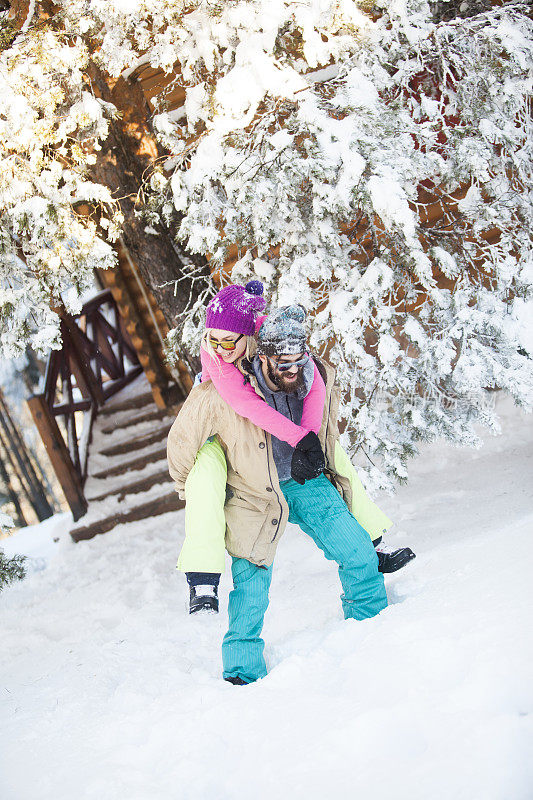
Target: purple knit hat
{"type": "Point", "coordinates": [235, 308]}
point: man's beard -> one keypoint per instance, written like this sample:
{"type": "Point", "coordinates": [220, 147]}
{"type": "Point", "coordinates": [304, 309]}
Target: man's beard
{"type": "Point", "coordinates": [290, 387]}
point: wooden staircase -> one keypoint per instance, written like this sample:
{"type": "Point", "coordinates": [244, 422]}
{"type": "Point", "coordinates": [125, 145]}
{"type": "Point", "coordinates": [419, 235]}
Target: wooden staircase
{"type": "Point", "coordinates": [147, 329]}
{"type": "Point", "coordinates": [127, 477]}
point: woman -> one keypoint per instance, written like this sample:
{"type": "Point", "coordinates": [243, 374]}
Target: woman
{"type": "Point", "coordinates": [232, 320]}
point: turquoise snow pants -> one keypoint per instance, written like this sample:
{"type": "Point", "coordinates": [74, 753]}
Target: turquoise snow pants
{"type": "Point", "coordinates": [319, 510]}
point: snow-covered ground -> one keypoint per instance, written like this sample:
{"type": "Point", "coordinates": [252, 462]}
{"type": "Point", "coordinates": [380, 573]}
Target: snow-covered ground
{"type": "Point", "coordinates": [109, 690]}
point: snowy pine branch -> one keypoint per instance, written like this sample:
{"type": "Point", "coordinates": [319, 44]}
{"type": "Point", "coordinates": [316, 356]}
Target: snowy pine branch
{"type": "Point", "coordinates": [52, 216]}
{"type": "Point", "coordinates": [11, 569]}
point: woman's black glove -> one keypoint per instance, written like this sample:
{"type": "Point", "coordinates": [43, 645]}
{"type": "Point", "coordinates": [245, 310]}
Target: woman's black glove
{"type": "Point", "coordinates": [308, 459]}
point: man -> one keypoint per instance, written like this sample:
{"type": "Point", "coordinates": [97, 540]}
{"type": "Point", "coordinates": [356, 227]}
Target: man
{"type": "Point", "coordinates": [269, 483]}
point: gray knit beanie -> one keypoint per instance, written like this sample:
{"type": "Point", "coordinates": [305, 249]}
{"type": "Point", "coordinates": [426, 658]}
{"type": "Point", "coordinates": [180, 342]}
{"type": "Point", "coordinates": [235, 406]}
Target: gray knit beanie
{"type": "Point", "coordinates": [283, 332]}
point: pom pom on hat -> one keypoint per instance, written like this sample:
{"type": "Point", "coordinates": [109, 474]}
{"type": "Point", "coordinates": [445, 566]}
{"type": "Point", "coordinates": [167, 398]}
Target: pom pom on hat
{"type": "Point", "coordinates": [296, 312]}
{"type": "Point", "coordinates": [254, 287]}
{"type": "Point", "coordinates": [254, 293]}
{"type": "Point", "coordinates": [283, 332]}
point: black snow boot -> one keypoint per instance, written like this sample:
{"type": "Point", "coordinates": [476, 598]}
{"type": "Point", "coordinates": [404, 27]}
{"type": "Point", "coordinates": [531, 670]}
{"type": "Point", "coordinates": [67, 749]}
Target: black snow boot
{"type": "Point", "coordinates": [236, 681]}
{"type": "Point", "coordinates": [392, 560]}
{"type": "Point", "coordinates": [203, 598]}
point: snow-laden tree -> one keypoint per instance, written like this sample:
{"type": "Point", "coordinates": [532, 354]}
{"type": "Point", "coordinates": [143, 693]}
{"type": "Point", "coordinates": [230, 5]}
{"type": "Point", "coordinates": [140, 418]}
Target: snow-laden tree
{"type": "Point", "coordinates": [52, 217]}
{"type": "Point", "coordinates": [371, 162]}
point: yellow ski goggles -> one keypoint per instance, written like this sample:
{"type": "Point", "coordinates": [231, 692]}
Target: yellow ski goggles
{"type": "Point", "coordinates": [228, 346]}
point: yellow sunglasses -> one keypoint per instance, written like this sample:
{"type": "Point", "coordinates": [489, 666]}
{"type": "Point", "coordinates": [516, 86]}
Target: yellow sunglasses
{"type": "Point", "coordinates": [228, 346]}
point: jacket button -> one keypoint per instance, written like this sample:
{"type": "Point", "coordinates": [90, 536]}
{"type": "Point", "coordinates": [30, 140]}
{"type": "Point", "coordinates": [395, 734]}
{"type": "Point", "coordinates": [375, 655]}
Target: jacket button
{"type": "Point", "coordinates": [269, 489]}
{"type": "Point", "coordinates": [274, 522]}
{"type": "Point", "coordinates": [262, 445]}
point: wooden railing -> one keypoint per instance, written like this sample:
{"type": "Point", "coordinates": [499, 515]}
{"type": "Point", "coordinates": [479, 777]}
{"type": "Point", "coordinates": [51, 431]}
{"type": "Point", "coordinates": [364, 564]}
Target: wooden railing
{"type": "Point", "coordinates": [96, 360]}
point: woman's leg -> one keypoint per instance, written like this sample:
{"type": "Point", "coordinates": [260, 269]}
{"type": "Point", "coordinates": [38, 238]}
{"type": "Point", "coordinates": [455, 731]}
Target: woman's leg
{"type": "Point", "coordinates": [366, 512]}
{"type": "Point", "coordinates": [205, 524]}
{"type": "Point", "coordinates": [371, 517]}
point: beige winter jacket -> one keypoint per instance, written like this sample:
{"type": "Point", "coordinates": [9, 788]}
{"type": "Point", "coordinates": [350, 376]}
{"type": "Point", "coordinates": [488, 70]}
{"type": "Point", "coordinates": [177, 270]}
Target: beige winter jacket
{"type": "Point", "coordinates": [256, 510]}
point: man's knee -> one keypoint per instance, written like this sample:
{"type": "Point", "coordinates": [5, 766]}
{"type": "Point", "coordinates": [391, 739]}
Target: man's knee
{"type": "Point", "coordinates": [243, 570]}
{"type": "Point", "coordinates": [349, 543]}
{"type": "Point", "coordinates": [362, 549]}
{"type": "Point", "coordinates": [252, 582]}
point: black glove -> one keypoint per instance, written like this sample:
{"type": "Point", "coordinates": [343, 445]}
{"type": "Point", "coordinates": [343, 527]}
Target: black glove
{"type": "Point", "coordinates": [308, 459]}
{"type": "Point", "coordinates": [300, 467]}
{"type": "Point", "coordinates": [310, 444]}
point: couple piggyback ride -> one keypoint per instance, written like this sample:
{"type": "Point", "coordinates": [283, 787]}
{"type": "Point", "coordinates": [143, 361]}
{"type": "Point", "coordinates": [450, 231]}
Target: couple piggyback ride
{"type": "Point", "coordinates": [256, 445]}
